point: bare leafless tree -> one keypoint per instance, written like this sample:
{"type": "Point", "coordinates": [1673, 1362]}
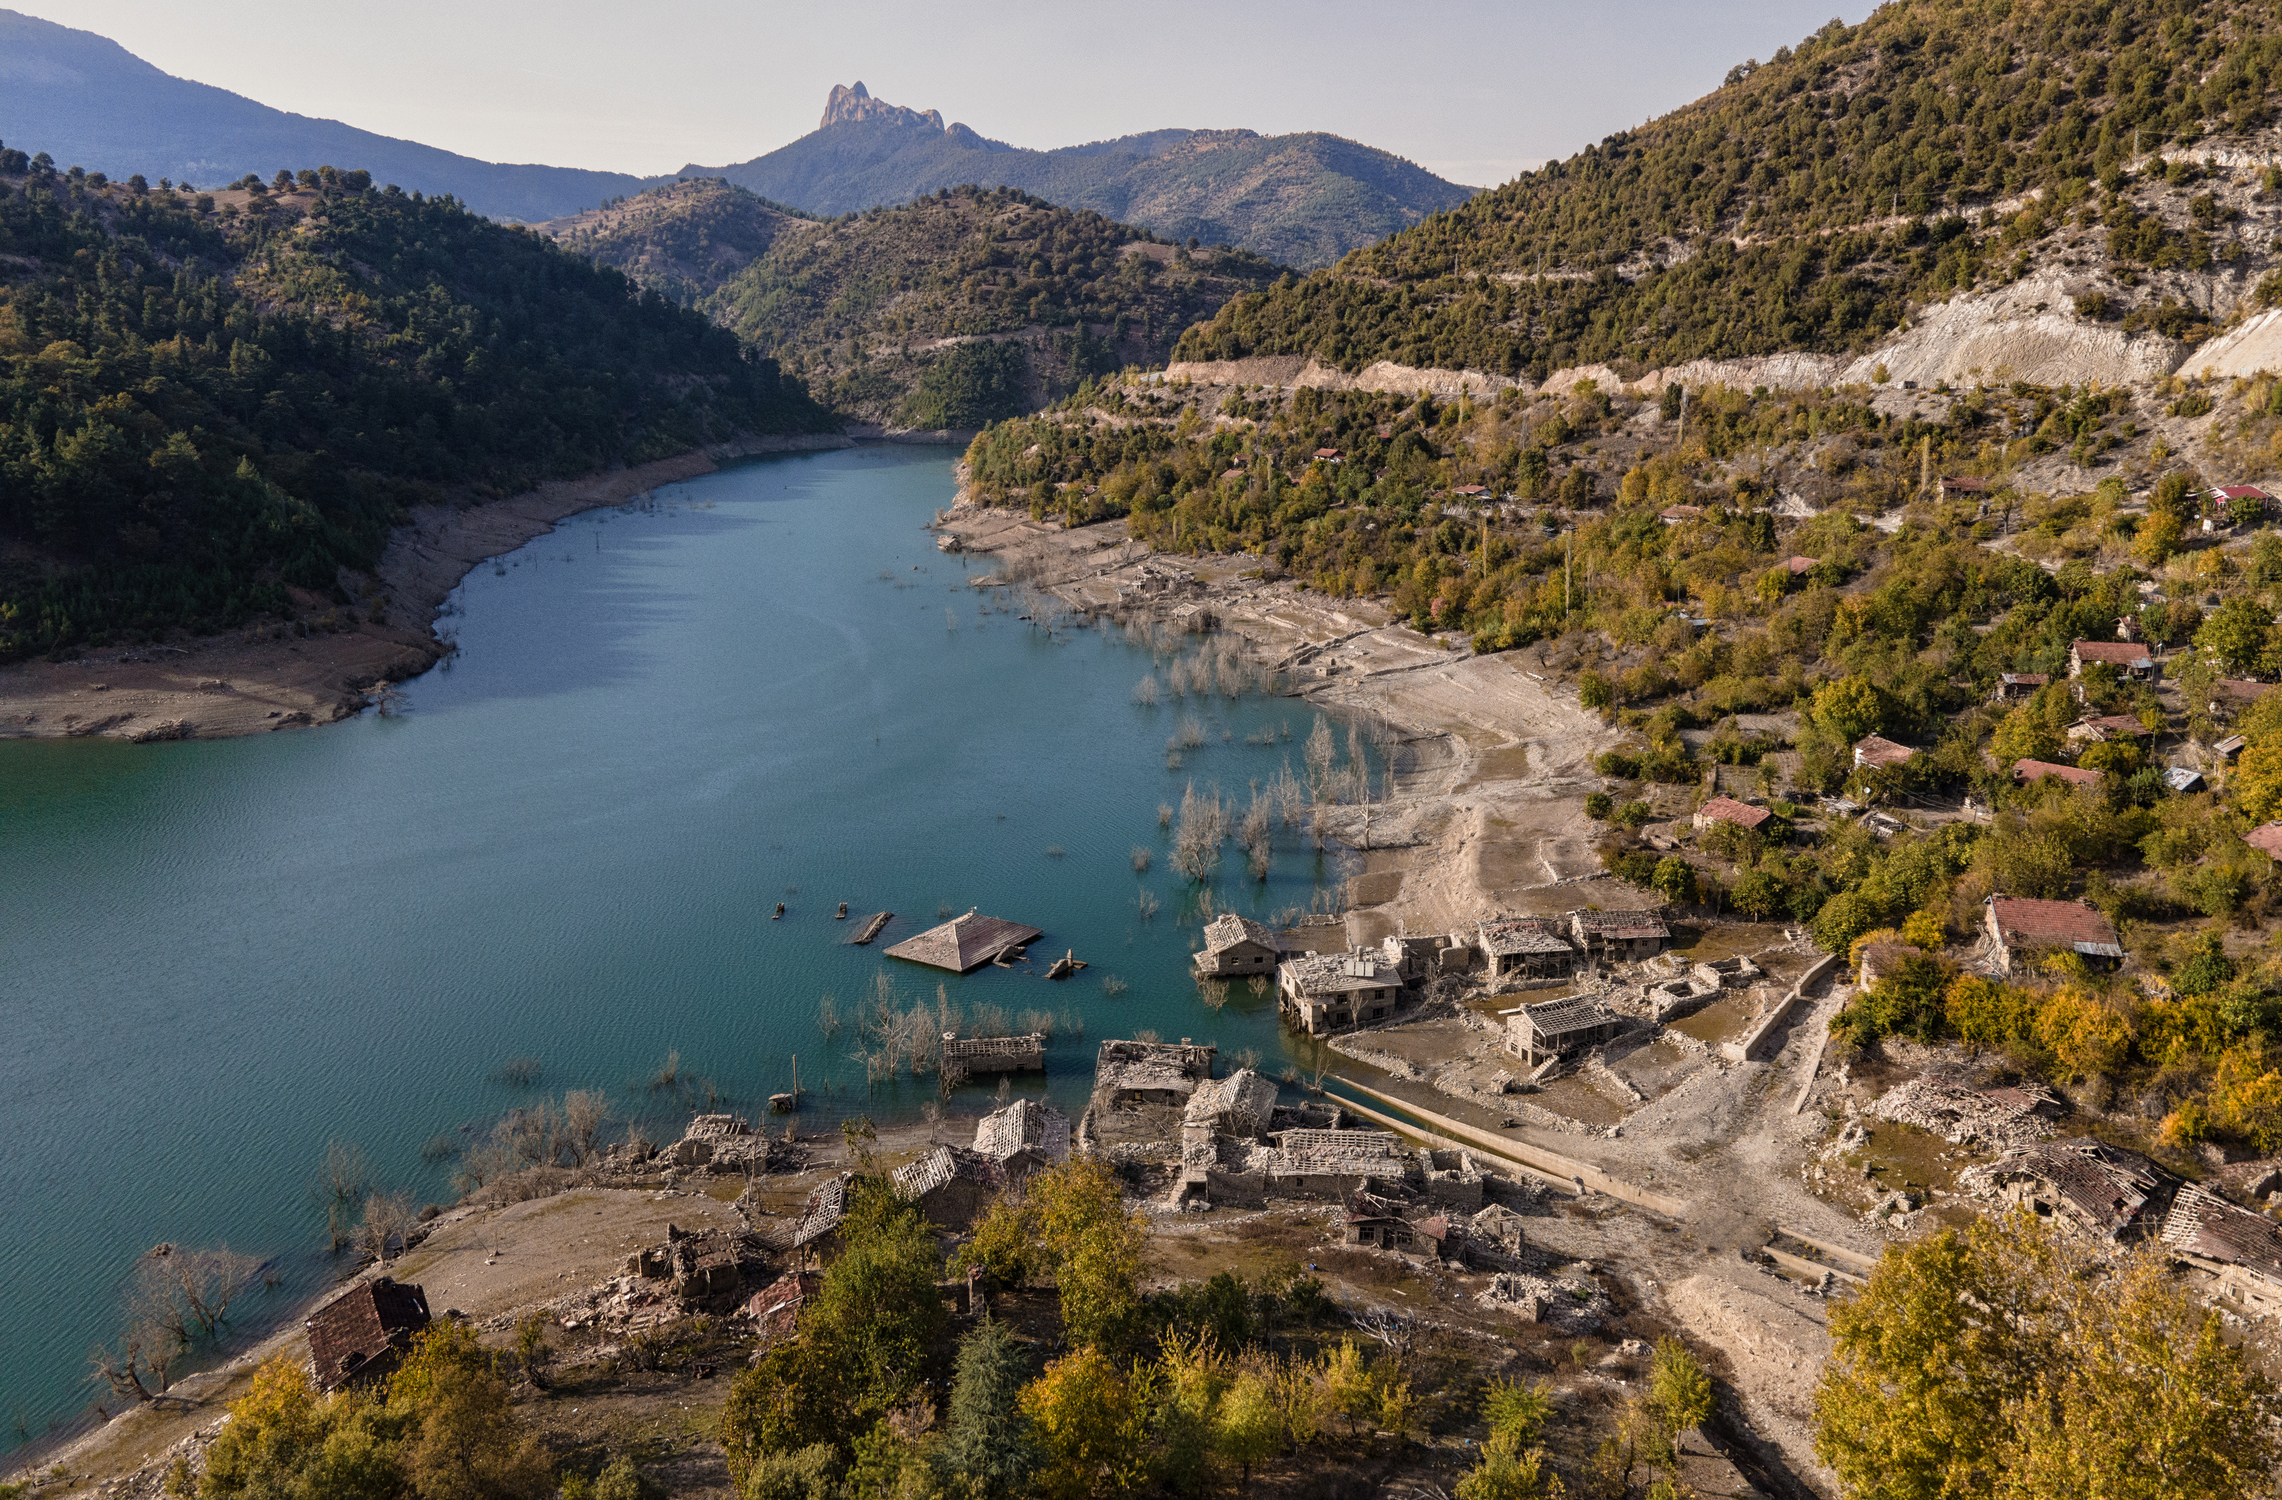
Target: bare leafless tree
{"type": "Point", "coordinates": [387, 1218]}
{"type": "Point", "coordinates": [343, 1180]}
{"type": "Point", "coordinates": [584, 1111]}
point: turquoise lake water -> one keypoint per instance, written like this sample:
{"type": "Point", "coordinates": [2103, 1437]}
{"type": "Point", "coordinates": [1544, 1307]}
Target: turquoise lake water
{"type": "Point", "coordinates": [664, 719]}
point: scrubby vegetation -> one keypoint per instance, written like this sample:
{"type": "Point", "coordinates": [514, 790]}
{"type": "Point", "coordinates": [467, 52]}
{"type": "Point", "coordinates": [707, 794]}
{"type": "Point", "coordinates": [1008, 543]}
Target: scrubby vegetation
{"type": "Point", "coordinates": [1808, 202]}
{"type": "Point", "coordinates": [207, 402]}
{"type": "Point", "coordinates": [888, 312]}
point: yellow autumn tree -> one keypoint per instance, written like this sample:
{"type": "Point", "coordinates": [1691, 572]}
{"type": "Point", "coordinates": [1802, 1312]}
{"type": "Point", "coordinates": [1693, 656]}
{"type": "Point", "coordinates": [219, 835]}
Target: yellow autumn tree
{"type": "Point", "coordinates": [1086, 1428]}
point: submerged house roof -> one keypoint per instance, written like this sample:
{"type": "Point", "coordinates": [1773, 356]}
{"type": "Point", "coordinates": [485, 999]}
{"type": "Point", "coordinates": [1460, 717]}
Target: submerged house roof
{"type": "Point", "coordinates": [1229, 929]}
{"type": "Point", "coordinates": [964, 943]}
{"type": "Point", "coordinates": [358, 1331]}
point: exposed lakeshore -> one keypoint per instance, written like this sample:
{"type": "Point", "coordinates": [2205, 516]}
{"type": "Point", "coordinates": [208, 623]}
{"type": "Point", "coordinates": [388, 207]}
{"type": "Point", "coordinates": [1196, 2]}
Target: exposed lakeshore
{"type": "Point", "coordinates": [274, 677]}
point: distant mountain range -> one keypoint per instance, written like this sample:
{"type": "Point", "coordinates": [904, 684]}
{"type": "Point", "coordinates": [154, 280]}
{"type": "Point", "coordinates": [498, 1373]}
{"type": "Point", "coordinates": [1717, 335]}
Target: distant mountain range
{"type": "Point", "coordinates": [87, 101]}
{"type": "Point", "coordinates": [1303, 199]}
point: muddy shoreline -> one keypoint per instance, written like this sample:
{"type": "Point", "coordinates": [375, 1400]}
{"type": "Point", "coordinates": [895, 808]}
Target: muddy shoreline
{"type": "Point", "coordinates": [272, 676]}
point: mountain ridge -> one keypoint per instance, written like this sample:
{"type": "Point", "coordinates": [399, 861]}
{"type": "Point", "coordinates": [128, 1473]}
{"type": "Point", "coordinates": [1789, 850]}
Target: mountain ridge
{"type": "Point", "coordinates": [1304, 199]}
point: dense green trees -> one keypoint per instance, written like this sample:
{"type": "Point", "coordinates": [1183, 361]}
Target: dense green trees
{"type": "Point", "coordinates": [202, 409]}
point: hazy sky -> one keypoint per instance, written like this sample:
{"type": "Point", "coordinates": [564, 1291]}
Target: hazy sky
{"type": "Point", "coordinates": [1475, 92]}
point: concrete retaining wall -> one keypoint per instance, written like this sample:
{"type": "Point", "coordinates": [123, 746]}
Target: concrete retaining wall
{"type": "Point", "coordinates": [1741, 1049]}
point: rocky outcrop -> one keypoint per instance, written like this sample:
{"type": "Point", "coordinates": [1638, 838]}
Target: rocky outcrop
{"type": "Point", "coordinates": [854, 105]}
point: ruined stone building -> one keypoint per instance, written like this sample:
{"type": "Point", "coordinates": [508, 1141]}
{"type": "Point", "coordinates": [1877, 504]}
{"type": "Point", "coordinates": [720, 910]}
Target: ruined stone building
{"type": "Point", "coordinates": [1132, 1073]}
{"type": "Point", "coordinates": [1238, 1107]}
{"type": "Point", "coordinates": [952, 1185]}
{"type": "Point", "coordinates": [817, 1235]}
{"type": "Point", "coordinates": [2242, 1249]}
{"type": "Point", "coordinates": [2086, 1184]}
{"type": "Point", "coordinates": [1526, 948]}
{"type": "Point", "coordinates": [1236, 946]}
{"type": "Point", "coordinates": [1609, 937]}
{"type": "Point", "coordinates": [1326, 992]}
{"type": "Point", "coordinates": [1024, 1137]}
{"type": "Point", "coordinates": [1541, 1032]}
{"type": "Point", "coordinates": [1450, 1179]}
{"type": "Point", "coordinates": [775, 1308]}
{"type": "Point", "coordinates": [365, 1332]}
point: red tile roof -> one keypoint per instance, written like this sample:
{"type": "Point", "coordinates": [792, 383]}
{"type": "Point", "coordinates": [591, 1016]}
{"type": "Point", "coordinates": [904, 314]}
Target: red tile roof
{"type": "Point", "coordinates": [1327, 453]}
{"type": "Point", "coordinates": [1964, 485]}
{"type": "Point", "coordinates": [2241, 492]}
{"type": "Point", "coordinates": [2024, 679]}
{"type": "Point", "coordinates": [1878, 751]}
{"type": "Point", "coordinates": [2024, 923]}
{"type": "Point", "coordinates": [2241, 689]}
{"type": "Point", "coordinates": [1728, 810]}
{"type": "Point", "coordinates": [2266, 839]}
{"type": "Point", "coordinates": [1799, 565]}
{"type": "Point", "coordinates": [2036, 770]}
{"type": "Point", "coordinates": [1681, 512]}
{"type": "Point", "coordinates": [2115, 653]}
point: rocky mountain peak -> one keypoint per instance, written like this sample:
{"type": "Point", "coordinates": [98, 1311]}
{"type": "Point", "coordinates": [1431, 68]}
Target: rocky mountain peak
{"type": "Point", "coordinates": [849, 105]}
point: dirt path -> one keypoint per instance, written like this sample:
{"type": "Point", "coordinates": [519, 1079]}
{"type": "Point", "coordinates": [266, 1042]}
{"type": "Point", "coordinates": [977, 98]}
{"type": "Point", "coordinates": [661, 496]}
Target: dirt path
{"type": "Point", "coordinates": [275, 677]}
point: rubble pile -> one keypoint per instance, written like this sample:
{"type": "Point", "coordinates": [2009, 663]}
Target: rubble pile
{"type": "Point", "coordinates": [1570, 1304]}
{"type": "Point", "coordinates": [1993, 1119]}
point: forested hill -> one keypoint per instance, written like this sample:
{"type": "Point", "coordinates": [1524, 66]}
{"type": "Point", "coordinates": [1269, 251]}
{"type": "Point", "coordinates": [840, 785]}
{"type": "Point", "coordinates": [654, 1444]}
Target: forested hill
{"type": "Point", "coordinates": [973, 304]}
{"type": "Point", "coordinates": [684, 239]}
{"type": "Point", "coordinates": [1809, 202]}
{"type": "Point", "coordinates": [210, 401]}
{"type": "Point", "coordinates": [1303, 199]}
{"type": "Point", "coordinates": [94, 104]}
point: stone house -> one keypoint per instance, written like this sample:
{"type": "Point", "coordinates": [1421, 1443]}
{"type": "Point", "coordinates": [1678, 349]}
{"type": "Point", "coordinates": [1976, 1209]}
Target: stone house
{"type": "Point", "coordinates": [2018, 926]}
{"type": "Point", "coordinates": [1452, 1179]}
{"type": "Point", "coordinates": [1024, 1137]}
{"type": "Point", "coordinates": [2129, 658]}
{"type": "Point", "coordinates": [2013, 686]}
{"type": "Point", "coordinates": [364, 1333]}
{"type": "Point", "coordinates": [1546, 1030]}
{"type": "Point", "coordinates": [1235, 946]}
{"type": "Point", "coordinates": [1375, 1222]}
{"type": "Point", "coordinates": [952, 1185]}
{"type": "Point", "coordinates": [1526, 948]}
{"type": "Point", "coordinates": [1238, 1107]}
{"type": "Point", "coordinates": [1727, 810]}
{"type": "Point", "coordinates": [1127, 1073]}
{"type": "Point", "coordinates": [1330, 991]}
{"type": "Point", "coordinates": [2086, 1184]}
{"type": "Point", "coordinates": [2242, 1249]}
{"type": "Point", "coordinates": [2027, 770]}
{"type": "Point", "coordinates": [1618, 936]}
{"type": "Point", "coordinates": [1877, 753]}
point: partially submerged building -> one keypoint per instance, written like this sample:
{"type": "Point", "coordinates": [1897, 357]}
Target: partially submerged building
{"type": "Point", "coordinates": [1235, 946]}
{"type": "Point", "coordinates": [365, 1332]}
{"type": "Point", "coordinates": [964, 1057]}
{"type": "Point", "coordinates": [1546, 1030]}
{"type": "Point", "coordinates": [1128, 1073]}
{"type": "Point", "coordinates": [1526, 948]}
{"type": "Point", "coordinates": [2019, 927]}
{"type": "Point", "coordinates": [1619, 936]}
{"type": "Point", "coordinates": [966, 943]}
{"type": "Point", "coordinates": [1331, 991]}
